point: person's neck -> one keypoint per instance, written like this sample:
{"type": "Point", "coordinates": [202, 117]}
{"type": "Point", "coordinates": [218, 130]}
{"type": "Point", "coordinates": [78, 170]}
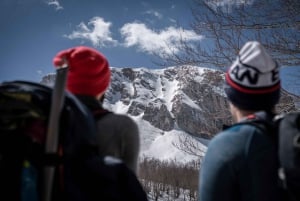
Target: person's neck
{"type": "Point", "coordinates": [240, 117]}
{"type": "Point", "coordinates": [242, 114]}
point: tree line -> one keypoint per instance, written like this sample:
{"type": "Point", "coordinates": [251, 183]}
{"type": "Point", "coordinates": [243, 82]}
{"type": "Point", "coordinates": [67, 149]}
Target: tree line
{"type": "Point", "coordinates": [169, 180]}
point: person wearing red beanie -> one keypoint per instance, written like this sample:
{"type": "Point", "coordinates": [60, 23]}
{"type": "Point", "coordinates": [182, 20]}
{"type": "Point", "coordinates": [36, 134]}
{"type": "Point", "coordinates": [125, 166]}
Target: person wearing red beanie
{"type": "Point", "coordinates": [88, 79]}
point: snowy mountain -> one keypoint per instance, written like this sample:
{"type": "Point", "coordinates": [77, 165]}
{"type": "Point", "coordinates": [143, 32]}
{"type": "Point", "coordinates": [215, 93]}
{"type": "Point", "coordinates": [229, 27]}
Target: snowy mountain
{"type": "Point", "coordinates": [172, 106]}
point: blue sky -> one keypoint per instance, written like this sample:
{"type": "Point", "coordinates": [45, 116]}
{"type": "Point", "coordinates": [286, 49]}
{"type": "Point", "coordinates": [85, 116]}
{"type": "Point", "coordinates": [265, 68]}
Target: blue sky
{"type": "Point", "coordinates": [128, 32]}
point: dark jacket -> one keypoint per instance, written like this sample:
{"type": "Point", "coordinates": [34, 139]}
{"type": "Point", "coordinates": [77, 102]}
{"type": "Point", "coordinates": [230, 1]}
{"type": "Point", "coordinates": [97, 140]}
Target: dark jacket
{"type": "Point", "coordinates": [118, 135]}
{"type": "Point", "coordinates": [240, 165]}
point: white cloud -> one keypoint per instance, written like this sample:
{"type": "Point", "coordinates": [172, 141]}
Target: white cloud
{"type": "Point", "coordinates": [172, 20]}
{"type": "Point", "coordinates": [227, 5]}
{"type": "Point", "coordinates": [97, 31]}
{"type": "Point", "coordinates": [237, 2]}
{"type": "Point", "coordinates": [155, 13]}
{"type": "Point", "coordinates": [158, 42]}
{"type": "Point", "coordinates": [40, 72]}
{"type": "Point", "coordinates": [55, 3]}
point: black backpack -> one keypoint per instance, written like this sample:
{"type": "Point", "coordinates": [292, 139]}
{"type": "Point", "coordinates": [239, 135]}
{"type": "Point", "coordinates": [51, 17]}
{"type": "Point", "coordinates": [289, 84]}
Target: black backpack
{"type": "Point", "coordinates": [80, 173]}
{"type": "Point", "coordinates": [289, 154]}
{"type": "Point", "coordinates": [284, 130]}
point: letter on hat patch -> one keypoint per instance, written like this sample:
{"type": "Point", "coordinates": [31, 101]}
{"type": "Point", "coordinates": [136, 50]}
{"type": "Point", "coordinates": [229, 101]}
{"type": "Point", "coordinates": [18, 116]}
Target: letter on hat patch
{"type": "Point", "coordinates": [241, 74]}
{"type": "Point", "coordinates": [275, 75]}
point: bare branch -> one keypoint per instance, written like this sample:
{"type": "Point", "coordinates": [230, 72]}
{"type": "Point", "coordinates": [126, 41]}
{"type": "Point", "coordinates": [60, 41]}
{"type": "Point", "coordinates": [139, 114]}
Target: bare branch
{"type": "Point", "coordinates": [225, 29]}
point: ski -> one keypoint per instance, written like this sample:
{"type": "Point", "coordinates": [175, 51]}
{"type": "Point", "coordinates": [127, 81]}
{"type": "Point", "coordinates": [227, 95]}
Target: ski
{"type": "Point", "coordinates": [51, 146]}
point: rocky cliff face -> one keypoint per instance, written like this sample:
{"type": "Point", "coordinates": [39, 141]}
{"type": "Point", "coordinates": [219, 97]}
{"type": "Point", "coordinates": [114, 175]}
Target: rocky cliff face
{"type": "Point", "coordinates": [188, 98]}
{"type": "Point", "coordinates": [185, 98]}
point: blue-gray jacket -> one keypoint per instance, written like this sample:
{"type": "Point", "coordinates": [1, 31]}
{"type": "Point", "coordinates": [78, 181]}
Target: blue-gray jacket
{"type": "Point", "coordinates": [240, 164]}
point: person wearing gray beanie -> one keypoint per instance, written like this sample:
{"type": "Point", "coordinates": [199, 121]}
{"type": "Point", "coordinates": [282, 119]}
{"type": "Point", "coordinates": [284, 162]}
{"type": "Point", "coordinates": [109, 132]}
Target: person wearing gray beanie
{"type": "Point", "coordinates": [241, 161]}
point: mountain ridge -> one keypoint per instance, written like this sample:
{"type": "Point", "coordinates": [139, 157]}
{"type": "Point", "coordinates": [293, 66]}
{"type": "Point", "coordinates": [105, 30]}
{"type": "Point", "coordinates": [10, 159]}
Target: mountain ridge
{"type": "Point", "coordinates": [172, 103]}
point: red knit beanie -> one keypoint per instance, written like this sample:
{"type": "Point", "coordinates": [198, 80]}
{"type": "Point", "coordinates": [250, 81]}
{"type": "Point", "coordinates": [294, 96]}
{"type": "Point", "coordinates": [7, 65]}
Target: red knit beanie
{"type": "Point", "coordinates": [89, 72]}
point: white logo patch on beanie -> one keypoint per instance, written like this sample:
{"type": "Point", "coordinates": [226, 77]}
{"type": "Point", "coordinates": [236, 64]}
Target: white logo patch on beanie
{"type": "Point", "coordinates": [254, 68]}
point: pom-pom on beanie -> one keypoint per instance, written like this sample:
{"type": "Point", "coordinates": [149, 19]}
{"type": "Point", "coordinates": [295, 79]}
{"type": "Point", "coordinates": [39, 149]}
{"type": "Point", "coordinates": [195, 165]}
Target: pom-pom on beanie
{"type": "Point", "coordinates": [89, 72]}
{"type": "Point", "coordinates": [252, 81]}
